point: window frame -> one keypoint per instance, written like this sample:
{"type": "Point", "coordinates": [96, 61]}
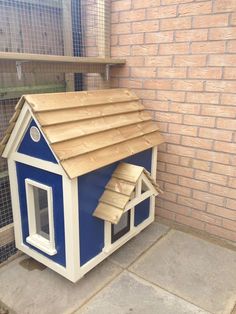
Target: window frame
{"type": "Point", "coordinates": [34, 238]}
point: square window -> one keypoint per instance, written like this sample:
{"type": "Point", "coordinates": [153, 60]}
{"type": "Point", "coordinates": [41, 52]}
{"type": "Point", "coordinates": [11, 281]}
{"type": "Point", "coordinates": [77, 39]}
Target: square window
{"type": "Point", "coordinates": [40, 216]}
{"type": "Point", "coordinates": [121, 228]}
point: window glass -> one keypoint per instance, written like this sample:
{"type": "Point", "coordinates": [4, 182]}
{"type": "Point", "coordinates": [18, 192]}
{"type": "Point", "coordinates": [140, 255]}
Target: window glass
{"type": "Point", "coordinates": [41, 211]}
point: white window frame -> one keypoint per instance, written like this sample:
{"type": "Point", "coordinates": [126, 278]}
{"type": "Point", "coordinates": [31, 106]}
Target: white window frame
{"type": "Point", "coordinates": [35, 239]}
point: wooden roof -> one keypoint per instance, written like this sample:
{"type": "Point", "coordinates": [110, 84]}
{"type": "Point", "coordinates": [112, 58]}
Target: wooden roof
{"type": "Point", "coordinates": [90, 129]}
{"type": "Point", "coordinates": [119, 191]}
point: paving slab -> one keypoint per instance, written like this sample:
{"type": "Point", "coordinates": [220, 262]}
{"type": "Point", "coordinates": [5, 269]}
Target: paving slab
{"type": "Point", "coordinates": [196, 270]}
{"type": "Point", "coordinates": [39, 290]}
{"type": "Point", "coordinates": [129, 252]}
{"type": "Point", "coordinates": [130, 294]}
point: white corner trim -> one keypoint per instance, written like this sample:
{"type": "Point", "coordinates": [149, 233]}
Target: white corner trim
{"type": "Point", "coordinates": [71, 222]}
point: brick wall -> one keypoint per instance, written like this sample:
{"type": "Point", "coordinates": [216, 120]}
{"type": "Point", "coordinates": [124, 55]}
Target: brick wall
{"type": "Point", "coordinates": [180, 60]}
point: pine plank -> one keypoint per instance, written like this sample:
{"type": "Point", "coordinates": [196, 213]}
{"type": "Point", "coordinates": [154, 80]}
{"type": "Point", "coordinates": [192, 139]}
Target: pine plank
{"type": "Point", "coordinates": [66, 131]}
{"type": "Point", "coordinates": [88, 162]}
{"type": "Point", "coordinates": [85, 144]}
{"type": "Point", "coordinates": [48, 102]}
{"type": "Point", "coordinates": [108, 213]}
{"type": "Point", "coordinates": [114, 199]}
{"type": "Point", "coordinates": [81, 113]}
{"type": "Point", "coordinates": [128, 172]}
{"type": "Point", "coordinates": [120, 186]}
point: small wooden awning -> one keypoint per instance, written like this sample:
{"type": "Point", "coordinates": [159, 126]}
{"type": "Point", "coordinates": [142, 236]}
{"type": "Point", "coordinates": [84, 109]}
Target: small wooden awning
{"type": "Point", "coordinates": [119, 192]}
{"type": "Point", "coordinates": [91, 129]}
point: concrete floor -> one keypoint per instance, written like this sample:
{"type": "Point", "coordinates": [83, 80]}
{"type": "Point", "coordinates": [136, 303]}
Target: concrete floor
{"type": "Point", "coordinates": [162, 270]}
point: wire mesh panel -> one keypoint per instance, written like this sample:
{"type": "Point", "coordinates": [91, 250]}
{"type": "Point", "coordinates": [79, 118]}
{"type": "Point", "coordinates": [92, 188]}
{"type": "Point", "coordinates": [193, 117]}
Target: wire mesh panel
{"type": "Point", "coordinates": [50, 27]}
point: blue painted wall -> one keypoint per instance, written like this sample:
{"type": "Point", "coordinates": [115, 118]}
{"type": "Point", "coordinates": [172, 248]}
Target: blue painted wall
{"type": "Point", "coordinates": [55, 181]}
{"type": "Point", "coordinates": [35, 149]}
{"type": "Point", "coordinates": [91, 186]}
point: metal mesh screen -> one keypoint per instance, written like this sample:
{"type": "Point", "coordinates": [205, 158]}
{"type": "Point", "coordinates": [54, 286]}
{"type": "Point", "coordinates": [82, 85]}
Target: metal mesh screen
{"type": "Point", "coordinates": [51, 27]}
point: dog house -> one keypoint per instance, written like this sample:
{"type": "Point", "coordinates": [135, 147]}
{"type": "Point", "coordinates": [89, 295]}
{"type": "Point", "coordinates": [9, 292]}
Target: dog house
{"type": "Point", "coordinates": [82, 169]}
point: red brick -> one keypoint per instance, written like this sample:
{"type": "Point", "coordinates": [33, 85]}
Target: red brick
{"type": "Point", "coordinates": [120, 51]}
{"type": "Point", "coordinates": [229, 124]}
{"type": "Point", "coordinates": [171, 159]}
{"type": "Point", "coordinates": [172, 138]}
{"type": "Point", "coordinates": [176, 23]}
{"type": "Point", "coordinates": [182, 171]}
{"type": "Point", "coordinates": [219, 111]}
{"type": "Point", "coordinates": [190, 60]}
{"type": "Point", "coordinates": [199, 120]}
{"type": "Point", "coordinates": [133, 15]}
{"type": "Point", "coordinates": [145, 26]}
{"type": "Point", "coordinates": [120, 5]}
{"type": "Point", "coordinates": [225, 147]}
{"type": "Point", "coordinates": [177, 189]}
{"type": "Point", "coordinates": [201, 164]}
{"type": "Point", "coordinates": [167, 177]}
{"type": "Point", "coordinates": [206, 217]}
{"type": "Point", "coordinates": [181, 150]}
{"type": "Point", "coordinates": [185, 161]}
{"type": "Point", "coordinates": [190, 202]}
{"type": "Point", "coordinates": [205, 73]}
{"type": "Point", "coordinates": [191, 35]}
{"type": "Point", "coordinates": [134, 61]}
{"type": "Point", "coordinates": [203, 98]}
{"type": "Point", "coordinates": [231, 46]}
{"type": "Point", "coordinates": [215, 134]}
{"type": "Point", "coordinates": [162, 12]}
{"type": "Point", "coordinates": [230, 74]}
{"type": "Point", "coordinates": [143, 72]}
{"type": "Point", "coordinates": [213, 156]}
{"type": "Point", "coordinates": [131, 39]}
{"type": "Point", "coordinates": [156, 105]}
{"type": "Point", "coordinates": [169, 117]}
{"type": "Point", "coordinates": [222, 60]}
{"type": "Point", "coordinates": [160, 212]}
{"type": "Point", "coordinates": [160, 61]}
{"type": "Point", "coordinates": [176, 48]}
{"type": "Point", "coordinates": [167, 2]}
{"type": "Point", "coordinates": [196, 142]}
{"type": "Point", "coordinates": [172, 72]}
{"type": "Point", "coordinates": [229, 224]}
{"type": "Point", "coordinates": [220, 232]}
{"type": "Point", "coordinates": [209, 198]}
{"type": "Point", "coordinates": [171, 95]}
{"type": "Point", "coordinates": [188, 85]}
{"type": "Point", "coordinates": [195, 8]}
{"type": "Point", "coordinates": [159, 37]}
{"type": "Point", "coordinates": [157, 84]}
{"type": "Point", "coordinates": [139, 4]}
{"type": "Point", "coordinates": [185, 108]}
{"type": "Point", "coordinates": [221, 211]}
{"type": "Point", "coordinates": [189, 221]}
{"type": "Point", "coordinates": [223, 33]}
{"type": "Point", "coordinates": [208, 47]}
{"type": "Point", "coordinates": [231, 204]}
{"type": "Point", "coordinates": [223, 191]}
{"type": "Point", "coordinates": [193, 184]}
{"type": "Point", "coordinates": [210, 20]}
{"type": "Point", "coordinates": [224, 6]}
{"type": "Point", "coordinates": [144, 50]}
{"type": "Point", "coordinates": [210, 177]}
{"type": "Point", "coordinates": [121, 28]}
{"type": "Point", "coordinates": [228, 99]}
{"type": "Point", "coordinates": [221, 86]}
{"type": "Point", "coordinates": [223, 169]}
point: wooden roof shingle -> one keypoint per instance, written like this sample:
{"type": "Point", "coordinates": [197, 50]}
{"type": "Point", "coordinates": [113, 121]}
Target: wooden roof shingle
{"type": "Point", "coordinates": [90, 129]}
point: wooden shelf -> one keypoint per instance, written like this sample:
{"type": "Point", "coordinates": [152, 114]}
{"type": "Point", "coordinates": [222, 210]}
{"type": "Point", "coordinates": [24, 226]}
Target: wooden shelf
{"type": "Point", "coordinates": [38, 63]}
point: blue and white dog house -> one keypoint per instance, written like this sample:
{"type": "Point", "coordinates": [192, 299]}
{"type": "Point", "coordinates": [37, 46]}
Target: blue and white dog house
{"type": "Point", "coordinates": [82, 169]}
